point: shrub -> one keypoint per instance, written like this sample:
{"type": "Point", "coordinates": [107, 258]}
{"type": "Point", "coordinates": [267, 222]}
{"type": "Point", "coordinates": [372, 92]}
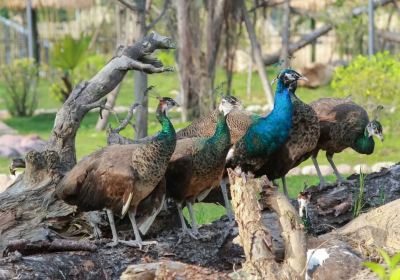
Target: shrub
{"type": "Point", "coordinates": [391, 271]}
{"type": "Point", "coordinates": [375, 80]}
{"type": "Point", "coordinates": [20, 79]}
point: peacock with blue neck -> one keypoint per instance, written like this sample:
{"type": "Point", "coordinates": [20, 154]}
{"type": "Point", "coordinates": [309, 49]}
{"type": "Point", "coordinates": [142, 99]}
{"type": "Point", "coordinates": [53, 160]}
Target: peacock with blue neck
{"type": "Point", "coordinates": [267, 133]}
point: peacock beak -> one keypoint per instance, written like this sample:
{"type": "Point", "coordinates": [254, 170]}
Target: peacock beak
{"type": "Point", "coordinates": [303, 78]}
{"type": "Point", "coordinates": [380, 136]}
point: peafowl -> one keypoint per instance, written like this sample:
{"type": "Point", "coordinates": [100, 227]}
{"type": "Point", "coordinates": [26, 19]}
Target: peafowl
{"type": "Point", "coordinates": [238, 122]}
{"type": "Point", "coordinates": [119, 177]}
{"type": "Point", "coordinates": [197, 165]}
{"type": "Point", "coordinates": [269, 133]}
{"type": "Point", "coordinates": [302, 139]}
{"type": "Point", "coordinates": [343, 124]}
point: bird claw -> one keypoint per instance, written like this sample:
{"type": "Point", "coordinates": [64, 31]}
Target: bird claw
{"type": "Point", "coordinates": [113, 243]}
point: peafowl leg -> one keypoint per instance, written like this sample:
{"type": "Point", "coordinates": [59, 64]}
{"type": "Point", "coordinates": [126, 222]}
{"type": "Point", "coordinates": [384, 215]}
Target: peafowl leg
{"type": "Point", "coordinates": [284, 186]}
{"type": "Point", "coordinates": [228, 207]}
{"type": "Point", "coordinates": [339, 177]}
{"type": "Point", "coordinates": [183, 223]}
{"type": "Point", "coordinates": [195, 227]}
{"type": "Point", "coordinates": [138, 240]}
{"type": "Point", "coordinates": [110, 216]}
{"type": "Point", "coordinates": [322, 181]}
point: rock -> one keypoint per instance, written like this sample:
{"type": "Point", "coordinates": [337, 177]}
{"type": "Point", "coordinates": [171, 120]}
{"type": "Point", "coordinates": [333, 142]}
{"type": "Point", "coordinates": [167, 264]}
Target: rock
{"type": "Point", "coordinates": [254, 108]}
{"type": "Point", "coordinates": [344, 168]}
{"type": "Point", "coordinates": [363, 167]}
{"type": "Point", "coordinates": [5, 129]}
{"type": "Point", "coordinates": [378, 166]}
{"type": "Point", "coordinates": [317, 74]}
{"type": "Point", "coordinates": [5, 182]}
{"type": "Point", "coordinates": [310, 170]}
{"type": "Point", "coordinates": [17, 145]}
{"type": "Point", "coordinates": [334, 260]}
{"type": "Point", "coordinates": [294, 171]}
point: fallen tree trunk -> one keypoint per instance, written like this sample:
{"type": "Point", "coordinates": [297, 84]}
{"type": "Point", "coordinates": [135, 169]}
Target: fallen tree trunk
{"type": "Point", "coordinates": [28, 208]}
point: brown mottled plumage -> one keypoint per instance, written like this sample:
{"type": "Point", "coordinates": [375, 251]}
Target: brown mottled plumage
{"type": "Point", "coordinates": [343, 124]}
{"type": "Point", "coordinates": [238, 122]}
{"type": "Point", "coordinates": [303, 139]}
{"type": "Point", "coordinates": [119, 177]}
{"type": "Point", "coordinates": [197, 165]}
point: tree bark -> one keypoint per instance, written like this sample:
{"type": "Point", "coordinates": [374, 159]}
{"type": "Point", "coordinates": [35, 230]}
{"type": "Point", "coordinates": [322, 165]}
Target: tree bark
{"type": "Point", "coordinates": [255, 237]}
{"type": "Point", "coordinates": [285, 57]}
{"type": "Point", "coordinates": [28, 208]}
{"type": "Point", "coordinates": [257, 56]}
{"type": "Point", "coordinates": [140, 78]}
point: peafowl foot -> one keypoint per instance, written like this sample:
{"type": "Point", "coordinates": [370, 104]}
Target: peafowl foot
{"type": "Point", "coordinates": [113, 243]}
{"type": "Point", "coordinates": [188, 232]}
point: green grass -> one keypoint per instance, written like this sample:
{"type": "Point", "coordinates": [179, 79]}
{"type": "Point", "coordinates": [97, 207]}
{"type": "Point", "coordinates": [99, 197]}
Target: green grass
{"type": "Point", "coordinates": [208, 212]}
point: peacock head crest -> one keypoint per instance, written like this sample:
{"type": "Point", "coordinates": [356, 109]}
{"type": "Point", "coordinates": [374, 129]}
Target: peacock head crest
{"type": "Point", "coordinates": [228, 103]}
{"type": "Point", "coordinates": [374, 128]}
{"type": "Point", "coordinates": [288, 77]}
{"type": "Point", "coordinates": [166, 103]}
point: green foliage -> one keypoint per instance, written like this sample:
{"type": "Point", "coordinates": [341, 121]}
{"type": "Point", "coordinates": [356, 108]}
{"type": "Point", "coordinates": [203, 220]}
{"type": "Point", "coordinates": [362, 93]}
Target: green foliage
{"type": "Point", "coordinates": [68, 53]}
{"type": "Point", "coordinates": [359, 204]}
{"type": "Point", "coordinates": [70, 57]}
{"type": "Point", "coordinates": [390, 271]}
{"type": "Point", "coordinates": [375, 79]}
{"type": "Point", "coordinates": [20, 79]}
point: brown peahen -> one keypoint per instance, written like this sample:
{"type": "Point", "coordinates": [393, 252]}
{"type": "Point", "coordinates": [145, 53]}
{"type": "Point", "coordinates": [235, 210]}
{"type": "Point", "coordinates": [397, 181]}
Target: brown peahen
{"type": "Point", "coordinates": [119, 177]}
{"type": "Point", "coordinates": [343, 124]}
{"type": "Point", "coordinates": [197, 165]}
{"type": "Point", "coordinates": [303, 139]}
{"type": "Point", "coordinates": [238, 122]}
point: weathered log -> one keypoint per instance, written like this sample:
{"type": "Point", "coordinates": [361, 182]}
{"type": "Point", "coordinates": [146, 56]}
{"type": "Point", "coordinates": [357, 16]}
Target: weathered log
{"type": "Point", "coordinates": [255, 237]}
{"type": "Point", "coordinates": [28, 208]}
{"type": "Point", "coordinates": [26, 247]}
{"type": "Point", "coordinates": [170, 270]}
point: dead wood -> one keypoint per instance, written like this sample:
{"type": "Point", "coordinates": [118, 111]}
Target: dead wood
{"type": "Point", "coordinates": [28, 208]}
{"type": "Point", "coordinates": [26, 247]}
{"type": "Point", "coordinates": [255, 237]}
{"type": "Point", "coordinates": [170, 270]}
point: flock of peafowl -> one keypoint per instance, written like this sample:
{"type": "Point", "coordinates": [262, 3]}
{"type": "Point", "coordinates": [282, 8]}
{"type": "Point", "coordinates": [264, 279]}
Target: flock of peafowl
{"type": "Point", "coordinates": [186, 165]}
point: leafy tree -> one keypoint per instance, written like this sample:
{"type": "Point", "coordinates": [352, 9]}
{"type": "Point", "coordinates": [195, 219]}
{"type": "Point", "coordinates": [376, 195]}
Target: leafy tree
{"type": "Point", "coordinates": [20, 79]}
{"type": "Point", "coordinates": [374, 79]}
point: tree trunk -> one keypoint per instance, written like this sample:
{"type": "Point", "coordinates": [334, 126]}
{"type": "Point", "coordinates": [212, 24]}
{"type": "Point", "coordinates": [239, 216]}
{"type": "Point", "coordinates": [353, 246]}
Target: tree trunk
{"type": "Point", "coordinates": [140, 78]}
{"type": "Point", "coordinates": [257, 56]}
{"type": "Point", "coordinates": [188, 54]}
{"type": "Point", "coordinates": [285, 58]}
{"type": "Point", "coordinates": [256, 238]}
{"type": "Point", "coordinates": [120, 19]}
{"type": "Point", "coordinates": [28, 208]}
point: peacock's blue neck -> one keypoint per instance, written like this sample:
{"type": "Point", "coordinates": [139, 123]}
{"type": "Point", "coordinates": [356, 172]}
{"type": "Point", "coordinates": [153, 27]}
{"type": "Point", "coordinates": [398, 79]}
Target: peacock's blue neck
{"type": "Point", "coordinates": [282, 103]}
{"type": "Point", "coordinates": [364, 144]}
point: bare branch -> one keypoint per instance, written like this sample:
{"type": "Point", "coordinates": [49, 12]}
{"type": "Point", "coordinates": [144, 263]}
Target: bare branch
{"type": "Point", "coordinates": [311, 37]}
{"type": "Point", "coordinates": [157, 19]}
{"type": "Point", "coordinates": [265, 4]}
{"type": "Point", "coordinates": [130, 6]}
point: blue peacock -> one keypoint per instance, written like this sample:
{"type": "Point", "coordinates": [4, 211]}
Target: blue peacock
{"type": "Point", "coordinates": [268, 133]}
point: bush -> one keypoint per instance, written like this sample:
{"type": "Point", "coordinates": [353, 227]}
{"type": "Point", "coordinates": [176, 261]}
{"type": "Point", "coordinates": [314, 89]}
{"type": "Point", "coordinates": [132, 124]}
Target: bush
{"type": "Point", "coordinates": [370, 81]}
{"type": "Point", "coordinates": [20, 79]}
